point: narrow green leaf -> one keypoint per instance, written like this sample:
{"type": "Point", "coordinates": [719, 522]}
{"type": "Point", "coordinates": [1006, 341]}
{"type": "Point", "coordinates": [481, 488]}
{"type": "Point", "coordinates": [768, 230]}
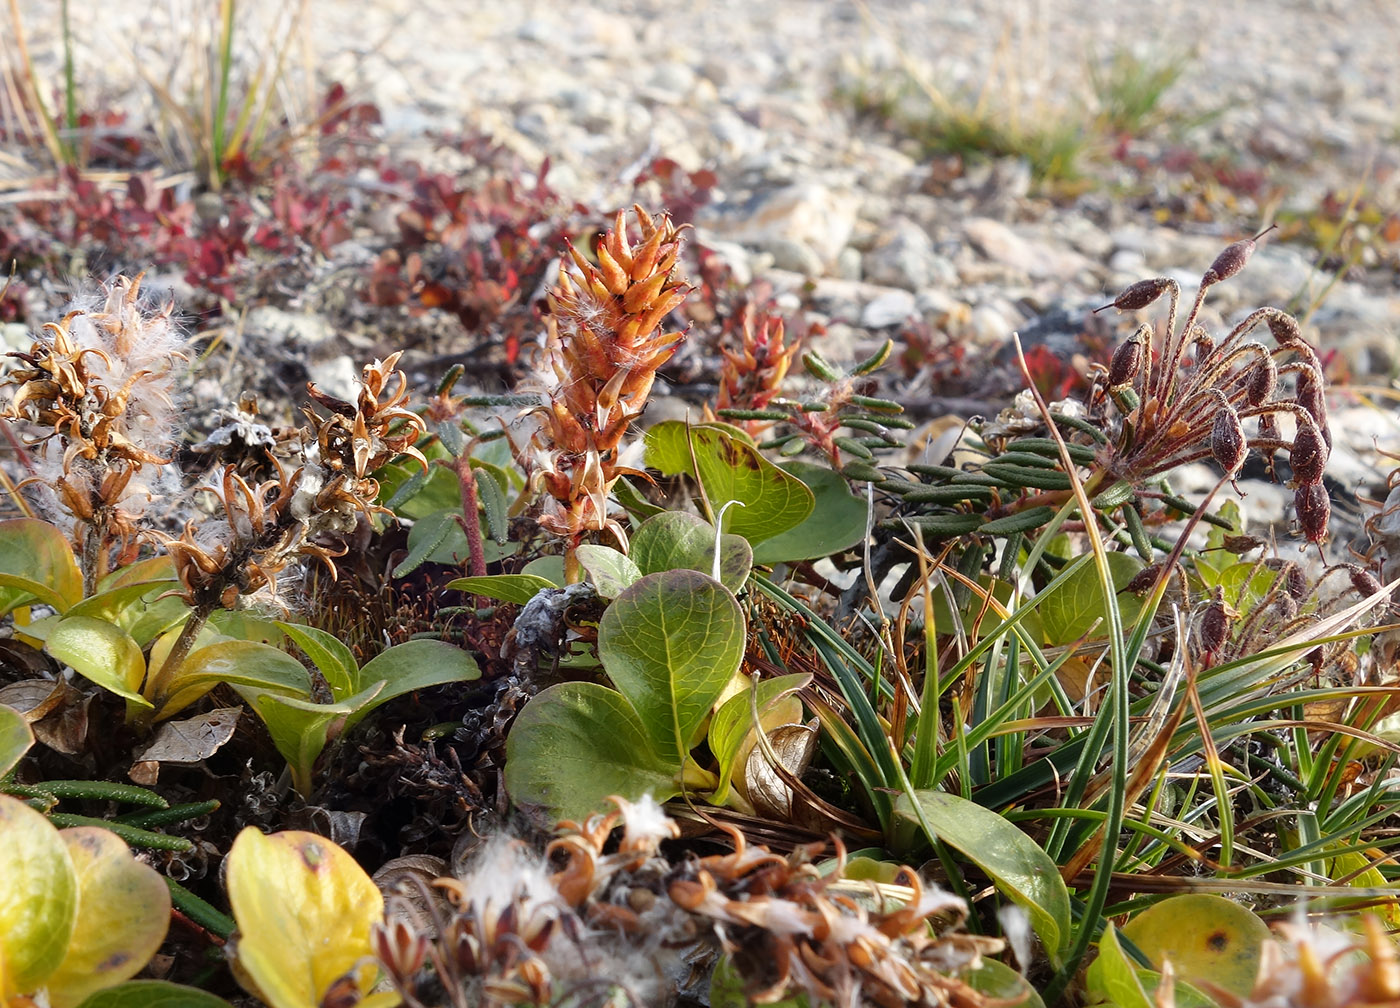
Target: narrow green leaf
{"type": "Point", "coordinates": [329, 654]}
{"type": "Point", "coordinates": [36, 558]}
{"type": "Point", "coordinates": [574, 744]}
{"type": "Point", "coordinates": [671, 643]}
{"type": "Point", "coordinates": [516, 588]}
{"type": "Point", "coordinates": [137, 607]}
{"type": "Point", "coordinates": [15, 738]}
{"type": "Point", "coordinates": [412, 665]}
{"type": "Point", "coordinates": [154, 994]}
{"type": "Point", "coordinates": [1014, 862]}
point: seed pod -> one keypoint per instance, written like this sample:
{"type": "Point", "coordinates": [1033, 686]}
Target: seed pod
{"type": "Point", "coordinates": [1123, 368]}
{"type": "Point", "coordinates": [1308, 456]}
{"type": "Point", "coordinates": [1294, 582]}
{"type": "Point", "coordinates": [1285, 329]}
{"type": "Point", "coordinates": [1241, 544]}
{"type": "Point", "coordinates": [1215, 622]}
{"type": "Point", "coordinates": [1261, 381]}
{"type": "Point", "coordinates": [1314, 509]}
{"type": "Point", "coordinates": [1138, 295]}
{"type": "Point", "coordinates": [1231, 260]}
{"type": "Point", "coordinates": [1201, 343]}
{"type": "Point", "coordinates": [1363, 582]}
{"type": "Point", "coordinates": [1143, 580]}
{"type": "Point", "coordinates": [1227, 443]}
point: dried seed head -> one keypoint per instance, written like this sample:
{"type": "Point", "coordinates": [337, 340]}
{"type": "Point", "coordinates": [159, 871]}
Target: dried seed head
{"type": "Point", "coordinates": [1201, 342]}
{"type": "Point", "coordinates": [1261, 382]}
{"type": "Point", "coordinates": [1215, 622]}
{"type": "Point", "coordinates": [1227, 443]}
{"type": "Point", "coordinates": [1310, 396]}
{"type": "Point", "coordinates": [1285, 329]}
{"type": "Point", "coordinates": [1138, 295]}
{"type": "Point", "coordinates": [1308, 456]}
{"type": "Point", "coordinates": [1231, 260]}
{"type": "Point", "coordinates": [1363, 582]}
{"type": "Point", "coordinates": [1241, 544]}
{"type": "Point", "coordinates": [1314, 509]}
{"type": "Point", "coordinates": [1126, 360]}
{"type": "Point", "coordinates": [1143, 580]}
{"type": "Point", "coordinates": [1294, 582]}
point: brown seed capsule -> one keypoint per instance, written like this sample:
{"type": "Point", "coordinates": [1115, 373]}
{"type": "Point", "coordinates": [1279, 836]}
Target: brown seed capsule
{"type": "Point", "coordinates": [1138, 295]}
{"type": "Point", "coordinates": [1231, 260]}
{"type": "Point", "coordinates": [1227, 442]}
{"type": "Point", "coordinates": [1314, 509]}
{"type": "Point", "coordinates": [1143, 580]}
{"type": "Point", "coordinates": [1285, 329]}
{"type": "Point", "coordinates": [1363, 582]}
{"type": "Point", "coordinates": [1215, 622]}
{"type": "Point", "coordinates": [1294, 582]}
{"type": "Point", "coordinates": [1261, 381]}
{"type": "Point", "coordinates": [1126, 360]}
{"type": "Point", "coordinates": [1308, 456]}
{"type": "Point", "coordinates": [1241, 544]}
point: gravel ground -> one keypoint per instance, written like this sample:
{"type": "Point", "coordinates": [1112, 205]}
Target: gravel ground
{"type": "Point", "coordinates": [846, 215]}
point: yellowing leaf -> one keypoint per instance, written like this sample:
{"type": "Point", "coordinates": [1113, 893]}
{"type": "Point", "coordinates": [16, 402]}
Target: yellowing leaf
{"type": "Point", "coordinates": [38, 898]}
{"type": "Point", "coordinates": [1206, 937]}
{"type": "Point", "coordinates": [304, 909]}
{"type": "Point", "coordinates": [123, 913]}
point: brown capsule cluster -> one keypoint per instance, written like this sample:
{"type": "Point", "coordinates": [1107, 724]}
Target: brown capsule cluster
{"type": "Point", "coordinates": [264, 528]}
{"type": "Point", "coordinates": [1184, 396]}
{"type": "Point", "coordinates": [788, 928]}
{"type": "Point", "coordinates": [98, 383]}
{"type": "Point", "coordinates": [603, 346]}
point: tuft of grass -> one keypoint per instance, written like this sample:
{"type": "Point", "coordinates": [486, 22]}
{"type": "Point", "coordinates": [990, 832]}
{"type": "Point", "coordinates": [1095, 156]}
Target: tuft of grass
{"type": "Point", "coordinates": [1129, 89]}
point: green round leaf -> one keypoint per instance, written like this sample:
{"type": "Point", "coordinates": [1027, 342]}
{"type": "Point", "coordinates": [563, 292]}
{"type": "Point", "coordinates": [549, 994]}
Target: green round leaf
{"type": "Point", "coordinates": [515, 588]}
{"type": "Point", "coordinates": [574, 744]}
{"type": "Point", "coordinates": [1070, 609]}
{"type": "Point", "coordinates": [38, 899]}
{"type": "Point", "coordinates": [836, 523]}
{"type": "Point", "coordinates": [671, 643]}
{"type": "Point", "coordinates": [674, 539]}
{"type": "Point", "coordinates": [732, 470]}
{"type": "Point", "coordinates": [609, 570]}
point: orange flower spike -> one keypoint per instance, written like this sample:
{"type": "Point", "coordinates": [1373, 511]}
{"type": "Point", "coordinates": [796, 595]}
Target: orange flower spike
{"type": "Point", "coordinates": [644, 258]}
{"type": "Point", "coordinates": [642, 295]}
{"type": "Point", "coordinates": [614, 275]}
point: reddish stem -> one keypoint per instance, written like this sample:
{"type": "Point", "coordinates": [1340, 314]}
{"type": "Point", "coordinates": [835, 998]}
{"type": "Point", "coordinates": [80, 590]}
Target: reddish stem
{"type": "Point", "coordinates": [470, 519]}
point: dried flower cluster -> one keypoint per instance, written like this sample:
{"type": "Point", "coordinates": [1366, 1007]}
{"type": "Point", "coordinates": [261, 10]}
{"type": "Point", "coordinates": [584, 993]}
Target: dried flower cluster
{"type": "Point", "coordinates": [266, 527]}
{"type": "Point", "coordinates": [1187, 397]}
{"type": "Point", "coordinates": [100, 383]}
{"type": "Point", "coordinates": [604, 344]}
{"type": "Point", "coordinates": [787, 928]}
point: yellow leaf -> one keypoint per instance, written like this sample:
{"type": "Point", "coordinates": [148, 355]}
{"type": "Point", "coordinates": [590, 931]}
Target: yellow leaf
{"type": "Point", "coordinates": [304, 909]}
{"type": "Point", "coordinates": [123, 914]}
{"type": "Point", "coordinates": [38, 898]}
{"type": "Point", "coordinates": [1206, 937]}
